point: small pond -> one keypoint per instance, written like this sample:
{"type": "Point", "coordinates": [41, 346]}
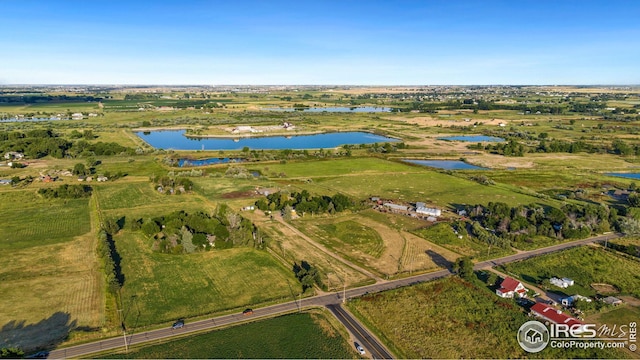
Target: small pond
{"type": "Point", "coordinates": [446, 164]}
{"type": "Point", "coordinates": [625, 175]}
{"type": "Point", "coordinates": [175, 139]}
{"type": "Point", "coordinates": [473, 138]}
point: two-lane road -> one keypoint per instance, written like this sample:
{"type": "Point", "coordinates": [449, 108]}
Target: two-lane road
{"type": "Point", "coordinates": [327, 300]}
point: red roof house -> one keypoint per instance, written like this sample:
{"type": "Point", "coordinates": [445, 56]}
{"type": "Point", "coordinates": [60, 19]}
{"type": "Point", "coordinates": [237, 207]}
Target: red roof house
{"type": "Point", "coordinates": [510, 287]}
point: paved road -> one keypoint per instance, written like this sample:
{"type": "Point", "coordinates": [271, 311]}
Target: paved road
{"type": "Point", "coordinates": [327, 300]}
{"type": "Point", "coordinates": [362, 335]}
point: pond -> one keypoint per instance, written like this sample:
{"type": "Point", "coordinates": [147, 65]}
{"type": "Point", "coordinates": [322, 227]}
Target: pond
{"type": "Point", "coordinates": [446, 164]}
{"type": "Point", "coordinates": [625, 175]}
{"type": "Point", "coordinates": [175, 139]}
{"type": "Point", "coordinates": [473, 138]}
{"type": "Point", "coordinates": [353, 109]}
{"type": "Point", "coordinates": [34, 119]}
{"type": "Point", "coordinates": [205, 162]}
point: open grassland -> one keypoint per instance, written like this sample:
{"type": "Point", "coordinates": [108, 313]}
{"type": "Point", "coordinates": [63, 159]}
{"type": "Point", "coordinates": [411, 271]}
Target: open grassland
{"type": "Point", "coordinates": [334, 167]}
{"type": "Point", "coordinates": [225, 188]}
{"type": "Point", "coordinates": [30, 221]}
{"type": "Point", "coordinates": [374, 245]}
{"type": "Point", "coordinates": [128, 196]}
{"type": "Point", "coordinates": [586, 265]}
{"type": "Point", "coordinates": [166, 287]}
{"type": "Point", "coordinates": [48, 290]}
{"type": "Point", "coordinates": [443, 235]}
{"type": "Point", "coordinates": [290, 247]}
{"type": "Point", "coordinates": [309, 335]}
{"type": "Point", "coordinates": [450, 318]}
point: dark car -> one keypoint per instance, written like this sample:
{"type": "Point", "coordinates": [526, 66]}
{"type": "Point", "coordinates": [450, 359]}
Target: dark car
{"type": "Point", "coordinates": [247, 312]}
{"type": "Point", "coordinates": [39, 355]}
{"type": "Point", "coordinates": [178, 324]}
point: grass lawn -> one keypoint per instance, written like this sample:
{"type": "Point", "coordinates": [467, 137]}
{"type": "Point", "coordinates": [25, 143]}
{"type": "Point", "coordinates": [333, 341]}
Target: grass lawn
{"type": "Point", "coordinates": [585, 265]}
{"type": "Point", "coordinates": [451, 318]}
{"type": "Point", "coordinates": [310, 335]}
{"type": "Point", "coordinates": [164, 287]}
{"type": "Point", "coordinates": [130, 195]}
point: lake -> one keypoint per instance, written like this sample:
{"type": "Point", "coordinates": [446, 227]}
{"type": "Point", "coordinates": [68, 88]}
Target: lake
{"type": "Point", "coordinates": [54, 118]}
{"type": "Point", "coordinates": [473, 138]}
{"type": "Point", "coordinates": [625, 175]}
{"type": "Point", "coordinates": [205, 162]}
{"type": "Point", "coordinates": [446, 164]}
{"type": "Point", "coordinates": [354, 109]}
{"type": "Point", "coordinates": [175, 139]}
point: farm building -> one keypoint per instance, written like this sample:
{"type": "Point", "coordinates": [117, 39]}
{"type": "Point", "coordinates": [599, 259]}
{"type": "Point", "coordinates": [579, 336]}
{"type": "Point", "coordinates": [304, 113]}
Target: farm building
{"type": "Point", "coordinates": [555, 316]}
{"type": "Point", "coordinates": [568, 301]}
{"type": "Point", "coordinates": [611, 300]}
{"type": "Point", "coordinates": [13, 155]}
{"type": "Point", "coordinates": [422, 209]}
{"type": "Point", "coordinates": [561, 283]}
{"type": "Point", "coordinates": [396, 207]}
{"type": "Point", "coordinates": [510, 287]}
{"type": "Point", "coordinates": [77, 116]}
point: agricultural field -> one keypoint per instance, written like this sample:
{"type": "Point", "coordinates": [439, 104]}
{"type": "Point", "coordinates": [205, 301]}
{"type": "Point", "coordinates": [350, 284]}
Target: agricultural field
{"type": "Point", "coordinates": [588, 266]}
{"type": "Point", "coordinates": [451, 318]}
{"type": "Point", "coordinates": [50, 277]}
{"type": "Point", "coordinates": [309, 335]}
{"type": "Point", "coordinates": [164, 287]}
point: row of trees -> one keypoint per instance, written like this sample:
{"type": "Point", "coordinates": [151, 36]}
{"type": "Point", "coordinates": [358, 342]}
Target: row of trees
{"type": "Point", "coordinates": [515, 148]}
{"type": "Point", "coordinates": [304, 202]}
{"type": "Point", "coordinates": [66, 191]}
{"type": "Point", "coordinates": [182, 232]}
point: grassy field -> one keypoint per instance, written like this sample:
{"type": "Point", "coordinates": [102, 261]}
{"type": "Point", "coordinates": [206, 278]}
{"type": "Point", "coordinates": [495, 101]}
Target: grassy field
{"type": "Point", "coordinates": [165, 287]}
{"type": "Point", "coordinates": [50, 277]}
{"type": "Point", "coordinates": [31, 221]}
{"type": "Point", "coordinates": [310, 335]}
{"type": "Point", "coordinates": [450, 318]}
{"type": "Point", "coordinates": [442, 234]}
{"type": "Point", "coordinates": [357, 235]}
{"type": "Point", "coordinates": [585, 265]}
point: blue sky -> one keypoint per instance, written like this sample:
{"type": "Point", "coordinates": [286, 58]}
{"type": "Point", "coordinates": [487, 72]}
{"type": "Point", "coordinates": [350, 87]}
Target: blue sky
{"type": "Point", "coordinates": [320, 42]}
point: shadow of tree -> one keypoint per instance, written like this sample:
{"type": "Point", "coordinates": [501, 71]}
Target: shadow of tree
{"type": "Point", "coordinates": [45, 334]}
{"type": "Point", "coordinates": [439, 260]}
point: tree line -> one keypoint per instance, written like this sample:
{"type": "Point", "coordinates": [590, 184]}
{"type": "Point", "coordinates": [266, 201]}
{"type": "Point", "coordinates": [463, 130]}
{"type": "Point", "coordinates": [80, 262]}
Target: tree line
{"type": "Point", "coordinates": [40, 143]}
{"type": "Point", "coordinates": [66, 191]}
{"type": "Point", "coordinates": [499, 224]}
{"type": "Point", "coordinates": [305, 203]}
{"type": "Point", "coordinates": [181, 232]}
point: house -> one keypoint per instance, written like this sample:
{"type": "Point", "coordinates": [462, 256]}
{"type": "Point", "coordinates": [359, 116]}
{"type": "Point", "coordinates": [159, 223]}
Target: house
{"type": "Point", "coordinates": [5, 182]}
{"type": "Point", "coordinates": [612, 300]}
{"type": "Point", "coordinates": [561, 283]}
{"type": "Point", "coordinates": [510, 287]}
{"type": "Point", "coordinates": [13, 155]}
{"type": "Point", "coordinates": [568, 301]}
{"type": "Point", "coordinates": [555, 316]}
{"type": "Point", "coordinates": [102, 178]}
{"type": "Point", "coordinates": [77, 116]}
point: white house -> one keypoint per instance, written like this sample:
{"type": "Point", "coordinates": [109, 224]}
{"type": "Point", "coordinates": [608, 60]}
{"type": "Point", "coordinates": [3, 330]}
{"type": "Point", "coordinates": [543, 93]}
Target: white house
{"type": "Point", "coordinates": [421, 208]}
{"type": "Point", "coordinates": [510, 287]}
{"type": "Point", "coordinates": [77, 116]}
{"type": "Point", "coordinates": [13, 155]}
{"type": "Point", "coordinates": [572, 299]}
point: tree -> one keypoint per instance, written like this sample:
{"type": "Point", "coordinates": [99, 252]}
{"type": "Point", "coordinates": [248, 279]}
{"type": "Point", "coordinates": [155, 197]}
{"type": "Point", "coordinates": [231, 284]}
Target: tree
{"type": "Point", "coordinates": [11, 353]}
{"type": "Point", "coordinates": [464, 268]}
{"type": "Point", "coordinates": [79, 169]}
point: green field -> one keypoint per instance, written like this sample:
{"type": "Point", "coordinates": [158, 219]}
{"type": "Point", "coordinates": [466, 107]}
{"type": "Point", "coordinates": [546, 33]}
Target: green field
{"type": "Point", "coordinates": [442, 234]}
{"type": "Point", "coordinates": [309, 335]}
{"type": "Point", "coordinates": [29, 221]}
{"type": "Point", "coordinates": [585, 265]}
{"type": "Point", "coordinates": [165, 287]}
{"type": "Point", "coordinates": [354, 234]}
{"type": "Point", "coordinates": [451, 318]}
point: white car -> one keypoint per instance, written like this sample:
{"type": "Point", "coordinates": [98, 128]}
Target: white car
{"type": "Point", "coordinates": [360, 349]}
